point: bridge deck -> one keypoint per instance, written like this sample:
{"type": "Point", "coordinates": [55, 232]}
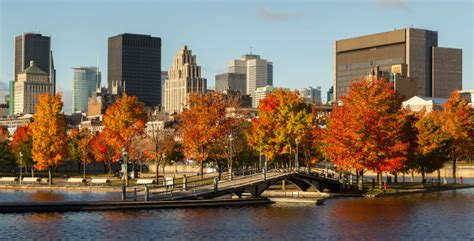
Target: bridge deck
{"type": "Point", "coordinates": [224, 186]}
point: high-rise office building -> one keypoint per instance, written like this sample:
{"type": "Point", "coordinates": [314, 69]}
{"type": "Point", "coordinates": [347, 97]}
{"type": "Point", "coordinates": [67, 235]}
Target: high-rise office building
{"type": "Point", "coordinates": [231, 81]}
{"type": "Point", "coordinates": [259, 72]}
{"type": "Point", "coordinates": [184, 77]}
{"type": "Point", "coordinates": [164, 76]}
{"type": "Point", "coordinates": [11, 96]}
{"type": "Point", "coordinates": [86, 82]}
{"type": "Point", "coordinates": [412, 54]}
{"type": "Point", "coordinates": [30, 83]}
{"type": "Point", "coordinates": [330, 95]}
{"type": "Point", "coordinates": [34, 47]}
{"type": "Point", "coordinates": [135, 60]}
{"type": "Point", "coordinates": [261, 92]}
{"type": "Point", "coordinates": [311, 94]}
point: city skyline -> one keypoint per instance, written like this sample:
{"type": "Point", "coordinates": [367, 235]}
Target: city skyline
{"type": "Point", "coordinates": [298, 41]}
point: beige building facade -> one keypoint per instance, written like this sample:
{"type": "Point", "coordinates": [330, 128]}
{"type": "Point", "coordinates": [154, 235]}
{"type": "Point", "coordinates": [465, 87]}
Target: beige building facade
{"type": "Point", "coordinates": [30, 83]}
{"type": "Point", "coordinates": [184, 77]}
{"type": "Point", "coordinates": [414, 53]}
{"type": "Point", "coordinates": [258, 71]}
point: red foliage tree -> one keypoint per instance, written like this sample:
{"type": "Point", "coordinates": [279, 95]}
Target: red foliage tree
{"type": "Point", "coordinates": [364, 132]}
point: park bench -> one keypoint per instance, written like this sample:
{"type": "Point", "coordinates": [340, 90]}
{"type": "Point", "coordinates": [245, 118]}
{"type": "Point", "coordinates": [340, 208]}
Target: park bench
{"type": "Point", "coordinates": [8, 179]}
{"type": "Point", "coordinates": [76, 180]}
{"type": "Point", "coordinates": [145, 181]}
{"type": "Point", "coordinates": [100, 181]}
{"type": "Point", "coordinates": [31, 180]}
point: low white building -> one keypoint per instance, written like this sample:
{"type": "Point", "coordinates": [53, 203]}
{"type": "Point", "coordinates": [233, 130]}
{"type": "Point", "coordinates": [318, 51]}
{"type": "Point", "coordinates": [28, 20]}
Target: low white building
{"type": "Point", "coordinates": [417, 103]}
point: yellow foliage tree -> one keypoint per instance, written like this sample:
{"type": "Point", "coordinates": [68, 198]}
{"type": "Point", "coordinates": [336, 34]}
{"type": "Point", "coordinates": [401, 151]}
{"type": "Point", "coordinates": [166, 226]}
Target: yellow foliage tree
{"type": "Point", "coordinates": [49, 133]}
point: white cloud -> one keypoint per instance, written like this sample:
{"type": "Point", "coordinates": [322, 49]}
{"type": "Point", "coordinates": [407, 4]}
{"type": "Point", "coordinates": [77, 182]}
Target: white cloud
{"type": "Point", "coordinates": [268, 15]}
{"type": "Point", "coordinates": [392, 4]}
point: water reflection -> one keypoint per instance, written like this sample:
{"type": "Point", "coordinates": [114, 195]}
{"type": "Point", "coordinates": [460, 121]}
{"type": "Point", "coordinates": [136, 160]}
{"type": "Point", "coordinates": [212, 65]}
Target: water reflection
{"type": "Point", "coordinates": [436, 216]}
{"type": "Point", "coordinates": [47, 196]}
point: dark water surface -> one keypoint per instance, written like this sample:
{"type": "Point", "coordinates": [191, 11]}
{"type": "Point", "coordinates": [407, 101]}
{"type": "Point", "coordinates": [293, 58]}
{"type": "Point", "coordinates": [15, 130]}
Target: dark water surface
{"type": "Point", "coordinates": [445, 215]}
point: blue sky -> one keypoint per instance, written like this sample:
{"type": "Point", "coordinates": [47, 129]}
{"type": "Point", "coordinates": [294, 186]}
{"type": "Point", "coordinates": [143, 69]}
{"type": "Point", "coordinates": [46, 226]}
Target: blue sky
{"type": "Point", "coordinates": [298, 36]}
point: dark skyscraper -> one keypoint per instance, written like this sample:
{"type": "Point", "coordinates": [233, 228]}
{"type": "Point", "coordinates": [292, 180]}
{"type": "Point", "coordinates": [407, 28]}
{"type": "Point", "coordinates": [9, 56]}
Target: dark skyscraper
{"type": "Point", "coordinates": [135, 60]}
{"type": "Point", "coordinates": [36, 47]}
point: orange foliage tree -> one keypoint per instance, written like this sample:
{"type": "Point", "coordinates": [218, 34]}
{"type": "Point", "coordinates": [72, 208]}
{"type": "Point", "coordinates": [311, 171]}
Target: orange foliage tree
{"type": "Point", "coordinates": [123, 120]}
{"type": "Point", "coordinates": [364, 132]}
{"type": "Point", "coordinates": [49, 133]}
{"type": "Point", "coordinates": [284, 120]}
{"type": "Point", "coordinates": [22, 143]}
{"type": "Point", "coordinates": [85, 153]}
{"type": "Point", "coordinates": [203, 124]}
{"type": "Point", "coordinates": [458, 122]}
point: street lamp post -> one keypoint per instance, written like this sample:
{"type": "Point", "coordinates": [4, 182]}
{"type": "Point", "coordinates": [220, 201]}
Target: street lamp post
{"type": "Point", "coordinates": [21, 167]}
{"type": "Point", "coordinates": [125, 160]}
{"type": "Point", "coordinates": [297, 163]}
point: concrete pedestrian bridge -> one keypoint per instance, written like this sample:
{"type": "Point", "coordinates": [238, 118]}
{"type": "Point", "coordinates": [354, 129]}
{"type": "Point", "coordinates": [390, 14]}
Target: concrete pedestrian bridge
{"type": "Point", "coordinates": [254, 184]}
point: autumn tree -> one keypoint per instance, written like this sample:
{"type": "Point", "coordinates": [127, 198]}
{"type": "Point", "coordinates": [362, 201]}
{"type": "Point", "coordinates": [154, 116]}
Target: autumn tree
{"type": "Point", "coordinates": [432, 144]}
{"type": "Point", "coordinates": [284, 120]}
{"type": "Point", "coordinates": [203, 124]}
{"type": "Point", "coordinates": [364, 131]}
{"type": "Point", "coordinates": [22, 143]}
{"type": "Point", "coordinates": [124, 120]}
{"type": "Point", "coordinates": [74, 153]}
{"type": "Point", "coordinates": [84, 149]}
{"type": "Point", "coordinates": [49, 133]}
{"type": "Point", "coordinates": [458, 122]}
{"type": "Point", "coordinates": [138, 149]}
{"type": "Point", "coordinates": [6, 155]}
{"type": "Point", "coordinates": [101, 151]}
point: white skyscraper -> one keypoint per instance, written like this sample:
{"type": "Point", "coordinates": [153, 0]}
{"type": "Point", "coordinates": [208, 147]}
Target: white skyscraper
{"type": "Point", "coordinates": [259, 72]}
{"type": "Point", "coordinates": [184, 77]}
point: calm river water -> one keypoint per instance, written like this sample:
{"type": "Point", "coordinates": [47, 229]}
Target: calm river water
{"type": "Point", "coordinates": [445, 215]}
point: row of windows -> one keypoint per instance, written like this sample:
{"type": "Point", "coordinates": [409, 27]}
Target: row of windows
{"type": "Point", "coordinates": [390, 61]}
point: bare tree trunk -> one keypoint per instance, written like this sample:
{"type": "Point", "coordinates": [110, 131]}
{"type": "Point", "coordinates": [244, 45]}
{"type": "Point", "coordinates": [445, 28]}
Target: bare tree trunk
{"type": "Point", "coordinates": [454, 170]}
{"type": "Point", "coordinates": [361, 180]}
{"type": "Point", "coordinates": [201, 169]}
{"type": "Point", "coordinates": [50, 177]}
{"type": "Point", "coordinates": [422, 176]}
{"type": "Point", "coordinates": [379, 179]}
{"type": "Point", "coordinates": [157, 172]}
{"type": "Point", "coordinates": [32, 171]}
{"type": "Point", "coordinates": [439, 176]}
{"type": "Point", "coordinates": [84, 171]}
{"type": "Point", "coordinates": [109, 163]}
